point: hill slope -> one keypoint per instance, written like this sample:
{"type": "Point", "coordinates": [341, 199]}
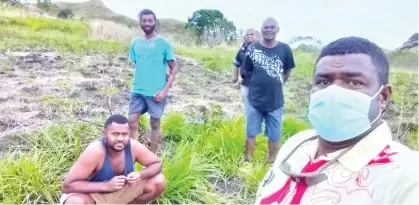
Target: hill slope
{"type": "Point", "coordinates": [96, 9]}
{"type": "Point", "coordinates": [411, 44]}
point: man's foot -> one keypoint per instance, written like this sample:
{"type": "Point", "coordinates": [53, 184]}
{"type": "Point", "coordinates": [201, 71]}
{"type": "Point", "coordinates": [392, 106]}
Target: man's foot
{"type": "Point", "coordinates": [247, 158]}
{"type": "Point", "coordinates": [273, 151]}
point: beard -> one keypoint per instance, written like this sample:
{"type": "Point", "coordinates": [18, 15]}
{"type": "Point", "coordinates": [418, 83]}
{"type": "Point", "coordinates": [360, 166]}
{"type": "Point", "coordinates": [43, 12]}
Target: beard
{"type": "Point", "coordinates": [116, 146]}
{"type": "Point", "coordinates": [148, 29]}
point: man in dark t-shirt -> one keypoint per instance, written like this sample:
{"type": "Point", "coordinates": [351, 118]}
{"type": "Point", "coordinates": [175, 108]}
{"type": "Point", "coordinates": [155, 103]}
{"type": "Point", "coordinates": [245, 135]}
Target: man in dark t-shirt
{"type": "Point", "coordinates": [268, 65]}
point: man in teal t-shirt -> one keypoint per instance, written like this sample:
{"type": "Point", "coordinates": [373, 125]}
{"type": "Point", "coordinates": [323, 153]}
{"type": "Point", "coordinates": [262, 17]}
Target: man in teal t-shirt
{"type": "Point", "coordinates": [151, 55]}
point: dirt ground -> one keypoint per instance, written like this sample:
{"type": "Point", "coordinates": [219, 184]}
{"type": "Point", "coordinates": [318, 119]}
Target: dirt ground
{"type": "Point", "coordinates": [36, 87]}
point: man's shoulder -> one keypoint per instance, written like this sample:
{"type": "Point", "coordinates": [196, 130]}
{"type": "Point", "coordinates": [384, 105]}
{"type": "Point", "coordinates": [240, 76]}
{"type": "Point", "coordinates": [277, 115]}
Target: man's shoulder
{"type": "Point", "coordinates": [135, 146]}
{"type": "Point", "coordinates": [95, 148]}
{"type": "Point", "coordinates": [136, 39]}
{"type": "Point", "coordinates": [402, 154]}
{"type": "Point", "coordinates": [254, 45]}
{"type": "Point", "coordinates": [163, 40]}
{"type": "Point", "coordinates": [283, 45]}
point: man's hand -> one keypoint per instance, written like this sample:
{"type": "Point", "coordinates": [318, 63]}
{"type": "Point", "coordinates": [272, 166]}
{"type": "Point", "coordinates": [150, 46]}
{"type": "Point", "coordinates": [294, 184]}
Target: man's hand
{"type": "Point", "coordinates": [160, 96]}
{"type": "Point", "coordinates": [234, 80]}
{"type": "Point", "coordinates": [116, 183]}
{"type": "Point", "coordinates": [134, 177]}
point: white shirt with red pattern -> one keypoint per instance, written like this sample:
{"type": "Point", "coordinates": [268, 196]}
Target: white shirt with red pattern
{"type": "Point", "coordinates": [377, 170]}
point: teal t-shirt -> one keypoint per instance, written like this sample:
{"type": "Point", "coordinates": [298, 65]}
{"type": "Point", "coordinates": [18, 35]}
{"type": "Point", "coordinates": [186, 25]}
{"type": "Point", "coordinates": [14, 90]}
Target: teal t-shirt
{"type": "Point", "coordinates": [150, 57]}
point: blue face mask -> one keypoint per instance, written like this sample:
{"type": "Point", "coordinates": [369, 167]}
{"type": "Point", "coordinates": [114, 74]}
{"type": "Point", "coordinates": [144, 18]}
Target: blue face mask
{"type": "Point", "coordinates": [339, 114]}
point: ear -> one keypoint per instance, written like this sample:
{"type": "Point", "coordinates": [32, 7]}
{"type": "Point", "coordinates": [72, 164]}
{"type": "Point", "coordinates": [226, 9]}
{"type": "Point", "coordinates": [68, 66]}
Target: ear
{"type": "Point", "coordinates": [277, 29]}
{"type": "Point", "coordinates": [385, 96]}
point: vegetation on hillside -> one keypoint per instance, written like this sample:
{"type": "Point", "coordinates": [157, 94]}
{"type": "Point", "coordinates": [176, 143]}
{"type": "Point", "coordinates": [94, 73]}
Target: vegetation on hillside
{"type": "Point", "coordinates": [211, 27]}
{"type": "Point", "coordinates": [202, 161]}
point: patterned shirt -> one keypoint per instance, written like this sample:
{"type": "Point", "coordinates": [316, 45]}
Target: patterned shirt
{"type": "Point", "coordinates": [376, 170]}
{"type": "Point", "coordinates": [264, 67]}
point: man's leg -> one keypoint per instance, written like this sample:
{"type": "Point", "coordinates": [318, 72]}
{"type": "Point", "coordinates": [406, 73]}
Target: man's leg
{"type": "Point", "coordinates": [153, 189]}
{"type": "Point", "coordinates": [78, 199]}
{"type": "Point", "coordinates": [253, 128]}
{"type": "Point", "coordinates": [137, 106]}
{"type": "Point", "coordinates": [273, 126]}
{"type": "Point", "coordinates": [156, 110]}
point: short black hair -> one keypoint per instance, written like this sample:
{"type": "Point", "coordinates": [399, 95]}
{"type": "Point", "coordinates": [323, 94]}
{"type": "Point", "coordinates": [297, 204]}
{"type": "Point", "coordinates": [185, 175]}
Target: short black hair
{"type": "Point", "coordinates": [146, 12]}
{"type": "Point", "coordinates": [358, 45]}
{"type": "Point", "coordinates": [119, 119]}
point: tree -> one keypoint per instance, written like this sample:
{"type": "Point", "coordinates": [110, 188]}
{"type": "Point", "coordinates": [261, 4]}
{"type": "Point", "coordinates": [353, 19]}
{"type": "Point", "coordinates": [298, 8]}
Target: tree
{"type": "Point", "coordinates": [43, 4]}
{"type": "Point", "coordinates": [211, 26]}
{"type": "Point", "coordinates": [65, 14]}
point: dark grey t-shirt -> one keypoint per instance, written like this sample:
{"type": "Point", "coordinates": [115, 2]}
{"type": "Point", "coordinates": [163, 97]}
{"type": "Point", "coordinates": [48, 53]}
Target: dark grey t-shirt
{"type": "Point", "coordinates": [265, 67]}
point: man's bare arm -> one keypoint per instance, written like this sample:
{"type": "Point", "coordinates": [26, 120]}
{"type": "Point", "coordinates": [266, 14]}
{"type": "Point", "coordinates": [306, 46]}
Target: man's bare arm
{"type": "Point", "coordinates": [76, 179]}
{"type": "Point", "coordinates": [173, 71]}
{"type": "Point", "coordinates": [287, 75]}
{"type": "Point", "coordinates": [153, 164]}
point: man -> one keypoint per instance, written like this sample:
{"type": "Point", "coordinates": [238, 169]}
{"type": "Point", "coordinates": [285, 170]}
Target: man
{"type": "Point", "coordinates": [151, 54]}
{"type": "Point", "coordinates": [104, 172]}
{"type": "Point", "coordinates": [349, 157]}
{"type": "Point", "coordinates": [268, 65]}
{"type": "Point", "coordinates": [250, 37]}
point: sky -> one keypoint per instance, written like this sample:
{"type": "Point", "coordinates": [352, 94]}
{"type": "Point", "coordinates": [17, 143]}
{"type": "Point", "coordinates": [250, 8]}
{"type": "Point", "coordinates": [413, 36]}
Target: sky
{"type": "Point", "coordinates": [389, 23]}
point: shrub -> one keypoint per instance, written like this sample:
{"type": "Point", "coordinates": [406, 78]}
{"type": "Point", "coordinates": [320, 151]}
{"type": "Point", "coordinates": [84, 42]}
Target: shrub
{"type": "Point", "coordinates": [65, 14]}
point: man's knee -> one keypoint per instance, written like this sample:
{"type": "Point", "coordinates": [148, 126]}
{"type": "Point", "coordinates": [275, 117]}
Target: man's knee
{"type": "Point", "coordinates": [154, 123]}
{"type": "Point", "coordinates": [160, 183]}
{"type": "Point", "coordinates": [133, 120]}
{"type": "Point", "coordinates": [273, 127]}
{"type": "Point", "coordinates": [79, 199]}
{"type": "Point", "coordinates": [157, 184]}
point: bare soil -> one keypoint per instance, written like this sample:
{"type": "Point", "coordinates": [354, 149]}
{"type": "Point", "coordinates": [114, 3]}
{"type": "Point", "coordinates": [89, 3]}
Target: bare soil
{"type": "Point", "coordinates": [45, 86]}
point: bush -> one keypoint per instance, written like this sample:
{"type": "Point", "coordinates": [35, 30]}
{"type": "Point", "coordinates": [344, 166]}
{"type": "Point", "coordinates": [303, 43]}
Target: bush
{"type": "Point", "coordinates": [65, 14]}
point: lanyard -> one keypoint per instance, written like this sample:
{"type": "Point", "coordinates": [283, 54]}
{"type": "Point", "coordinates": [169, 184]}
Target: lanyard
{"type": "Point", "coordinates": [312, 177]}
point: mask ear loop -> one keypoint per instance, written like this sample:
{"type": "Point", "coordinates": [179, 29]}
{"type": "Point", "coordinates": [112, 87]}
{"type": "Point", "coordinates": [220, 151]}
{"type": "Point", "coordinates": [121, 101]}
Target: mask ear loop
{"type": "Point", "coordinates": [387, 106]}
{"type": "Point", "coordinates": [381, 112]}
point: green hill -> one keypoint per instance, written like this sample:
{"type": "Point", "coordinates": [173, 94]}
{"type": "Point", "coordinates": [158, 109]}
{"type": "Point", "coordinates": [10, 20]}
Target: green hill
{"type": "Point", "coordinates": [96, 9]}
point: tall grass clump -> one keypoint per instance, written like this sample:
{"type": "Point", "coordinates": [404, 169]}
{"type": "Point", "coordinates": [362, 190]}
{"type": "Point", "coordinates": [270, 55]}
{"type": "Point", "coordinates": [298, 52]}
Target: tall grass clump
{"type": "Point", "coordinates": [175, 128]}
{"type": "Point", "coordinates": [187, 173]}
{"type": "Point", "coordinates": [63, 35]}
{"type": "Point", "coordinates": [211, 58]}
{"type": "Point", "coordinates": [110, 30]}
{"type": "Point", "coordinates": [35, 176]}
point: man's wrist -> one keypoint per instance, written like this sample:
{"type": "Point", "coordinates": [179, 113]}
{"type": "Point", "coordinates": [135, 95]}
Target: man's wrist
{"type": "Point", "coordinates": [104, 186]}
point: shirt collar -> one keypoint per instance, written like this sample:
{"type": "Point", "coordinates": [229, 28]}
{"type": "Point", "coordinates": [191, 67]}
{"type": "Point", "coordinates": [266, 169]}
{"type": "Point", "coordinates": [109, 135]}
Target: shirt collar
{"type": "Point", "coordinates": [367, 148]}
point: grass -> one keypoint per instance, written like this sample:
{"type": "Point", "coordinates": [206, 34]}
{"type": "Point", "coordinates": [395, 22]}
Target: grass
{"type": "Point", "coordinates": [197, 157]}
{"type": "Point", "coordinates": [191, 164]}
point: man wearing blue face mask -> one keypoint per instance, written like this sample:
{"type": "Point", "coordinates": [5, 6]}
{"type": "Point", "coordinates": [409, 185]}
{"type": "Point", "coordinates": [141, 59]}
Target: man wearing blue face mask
{"type": "Point", "coordinates": [349, 156]}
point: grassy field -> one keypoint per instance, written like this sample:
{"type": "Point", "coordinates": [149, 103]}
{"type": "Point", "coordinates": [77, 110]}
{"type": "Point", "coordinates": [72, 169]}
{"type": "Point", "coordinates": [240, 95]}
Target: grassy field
{"type": "Point", "coordinates": [202, 161]}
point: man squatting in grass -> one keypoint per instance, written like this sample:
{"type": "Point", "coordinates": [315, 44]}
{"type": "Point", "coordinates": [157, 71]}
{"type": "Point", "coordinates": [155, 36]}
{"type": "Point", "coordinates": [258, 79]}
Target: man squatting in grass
{"type": "Point", "coordinates": [349, 157]}
{"type": "Point", "coordinates": [104, 172]}
{"type": "Point", "coordinates": [267, 65]}
{"type": "Point", "coordinates": [250, 37]}
{"type": "Point", "coordinates": [151, 55]}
